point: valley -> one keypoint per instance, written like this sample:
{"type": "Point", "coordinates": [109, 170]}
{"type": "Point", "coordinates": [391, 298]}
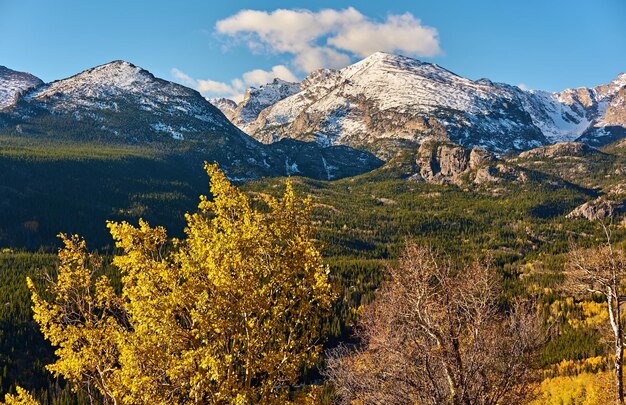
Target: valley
{"type": "Point", "coordinates": [389, 150]}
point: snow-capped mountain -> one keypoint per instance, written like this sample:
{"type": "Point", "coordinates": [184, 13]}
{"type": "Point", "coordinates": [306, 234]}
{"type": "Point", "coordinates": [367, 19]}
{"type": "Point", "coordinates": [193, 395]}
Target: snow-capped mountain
{"type": "Point", "coordinates": [14, 83]}
{"type": "Point", "coordinates": [386, 101]}
{"type": "Point", "coordinates": [225, 105]}
{"type": "Point", "coordinates": [397, 99]}
{"type": "Point", "coordinates": [254, 101]}
{"type": "Point", "coordinates": [596, 115]}
{"type": "Point", "coordinates": [110, 91]}
{"type": "Point", "coordinates": [119, 102]}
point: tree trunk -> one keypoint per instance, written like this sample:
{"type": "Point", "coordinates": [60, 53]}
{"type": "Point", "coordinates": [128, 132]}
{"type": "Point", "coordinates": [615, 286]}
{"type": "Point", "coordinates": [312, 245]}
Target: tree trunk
{"type": "Point", "coordinates": [619, 354]}
{"type": "Point", "coordinates": [616, 325]}
{"type": "Point", "coordinates": [619, 375]}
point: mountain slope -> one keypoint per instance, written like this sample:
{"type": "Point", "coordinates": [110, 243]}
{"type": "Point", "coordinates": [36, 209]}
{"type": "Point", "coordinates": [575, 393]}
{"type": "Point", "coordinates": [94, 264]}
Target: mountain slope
{"type": "Point", "coordinates": [596, 116]}
{"type": "Point", "coordinates": [385, 102]}
{"type": "Point", "coordinates": [393, 97]}
{"type": "Point", "coordinates": [608, 113]}
{"type": "Point", "coordinates": [120, 103]}
{"type": "Point", "coordinates": [578, 163]}
{"type": "Point", "coordinates": [256, 100]}
{"type": "Point", "coordinates": [103, 93]}
{"type": "Point", "coordinates": [13, 83]}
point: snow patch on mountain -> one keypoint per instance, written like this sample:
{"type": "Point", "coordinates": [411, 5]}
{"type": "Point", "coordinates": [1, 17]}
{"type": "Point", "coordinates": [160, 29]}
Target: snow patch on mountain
{"type": "Point", "coordinates": [13, 83]}
{"type": "Point", "coordinates": [256, 100]}
{"type": "Point", "coordinates": [161, 127]}
{"type": "Point", "coordinates": [557, 120]}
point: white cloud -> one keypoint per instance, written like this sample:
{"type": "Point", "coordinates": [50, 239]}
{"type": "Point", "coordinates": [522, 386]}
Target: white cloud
{"type": "Point", "coordinates": [183, 78]}
{"type": "Point", "coordinates": [399, 33]}
{"type": "Point", "coordinates": [285, 30]}
{"type": "Point", "coordinates": [259, 77]}
{"type": "Point", "coordinates": [523, 87]}
{"type": "Point", "coordinates": [329, 38]}
{"type": "Point", "coordinates": [238, 83]}
{"type": "Point", "coordinates": [234, 90]}
{"type": "Point", "coordinates": [213, 87]}
{"type": "Point", "coordinates": [313, 58]}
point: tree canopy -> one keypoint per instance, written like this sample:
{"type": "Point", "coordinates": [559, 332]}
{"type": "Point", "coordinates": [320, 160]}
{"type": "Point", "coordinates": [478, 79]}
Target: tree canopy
{"type": "Point", "coordinates": [231, 313]}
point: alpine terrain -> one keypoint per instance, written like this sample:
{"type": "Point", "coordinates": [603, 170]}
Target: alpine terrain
{"type": "Point", "coordinates": [388, 101]}
{"type": "Point", "coordinates": [120, 103]}
{"type": "Point", "coordinates": [13, 83]}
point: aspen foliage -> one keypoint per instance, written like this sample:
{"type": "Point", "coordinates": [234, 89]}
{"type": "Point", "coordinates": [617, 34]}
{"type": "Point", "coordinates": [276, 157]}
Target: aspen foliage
{"type": "Point", "coordinates": [583, 389]}
{"type": "Point", "coordinates": [21, 398]}
{"type": "Point", "coordinates": [231, 313]}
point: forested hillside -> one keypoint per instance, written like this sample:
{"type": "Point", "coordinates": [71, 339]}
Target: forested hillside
{"type": "Point", "coordinates": [362, 225]}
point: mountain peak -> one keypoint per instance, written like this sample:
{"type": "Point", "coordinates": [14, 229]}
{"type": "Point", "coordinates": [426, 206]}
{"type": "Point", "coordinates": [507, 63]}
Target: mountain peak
{"type": "Point", "coordinates": [398, 99]}
{"type": "Point", "coordinates": [118, 86]}
{"type": "Point", "coordinates": [225, 105]}
{"type": "Point", "coordinates": [386, 57]}
{"type": "Point", "coordinates": [274, 85]}
{"type": "Point", "coordinates": [120, 62]}
{"type": "Point", "coordinates": [386, 64]}
{"type": "Point", "coordinates": [115, 69]}
{"type": "Point", "coordinates": [620, 80]}
{"type": "Point", "coordinates": [378, 55]}
{"type": "Point", "coordinates": [278, 81]}
{"type": "Point", "coordinates": [256, 99]}
{"type": "Point", "coordinates": [114, 78]}
{"type": "Point", "coordinates": [5, 73]}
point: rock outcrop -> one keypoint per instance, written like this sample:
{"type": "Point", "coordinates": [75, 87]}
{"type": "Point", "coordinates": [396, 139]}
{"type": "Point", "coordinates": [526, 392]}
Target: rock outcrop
{"type": "Point", "coordinates": [558, 149]}
{"type": "Point", "coordinates": [612, 203]}
{"type": "Point", "coordinates": [446, 162]}
{"type": "Point", "coordinates": [599, 208]}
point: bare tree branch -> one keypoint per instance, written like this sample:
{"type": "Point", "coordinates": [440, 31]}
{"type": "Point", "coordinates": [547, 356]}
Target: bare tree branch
{"type": "Point", "coordinates": [436, 335]}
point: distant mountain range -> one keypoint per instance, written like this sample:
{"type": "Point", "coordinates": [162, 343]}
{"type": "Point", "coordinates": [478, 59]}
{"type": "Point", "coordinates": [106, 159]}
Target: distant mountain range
{"type": "Point", "coordinates": [115, 142]}
{"type": "Point", "coordinates": [386, 102]}
{"type": "Point", "coordinates": [333, 124]}
{"type": "Point", "coordinates": [120, 103]}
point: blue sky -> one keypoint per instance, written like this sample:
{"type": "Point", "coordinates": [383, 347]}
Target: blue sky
{"type": "Point", "coordinates": [211, 45]}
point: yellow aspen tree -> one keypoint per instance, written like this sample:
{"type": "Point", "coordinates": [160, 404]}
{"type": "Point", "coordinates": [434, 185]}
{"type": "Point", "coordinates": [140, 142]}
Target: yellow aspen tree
{"type": "Point", "coordinates": [21, 398]}
{"type": "Point", "coordinates": [81, 320]}
{"type": "Point", "coordinates": [231, 313]}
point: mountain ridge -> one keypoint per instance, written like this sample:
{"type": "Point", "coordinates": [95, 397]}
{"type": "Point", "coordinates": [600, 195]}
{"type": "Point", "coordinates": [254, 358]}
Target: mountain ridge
{"type": "Point", "coordinates": [119, 102]}
{"type": "Point", "coordinates": [396, 98]}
